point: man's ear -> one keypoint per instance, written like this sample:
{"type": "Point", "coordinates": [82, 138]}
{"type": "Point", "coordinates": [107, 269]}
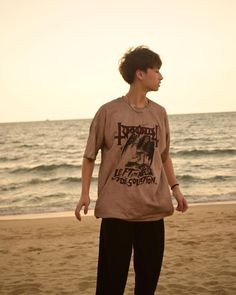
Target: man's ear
{"type": "Point", "coordinates": [139, 74]}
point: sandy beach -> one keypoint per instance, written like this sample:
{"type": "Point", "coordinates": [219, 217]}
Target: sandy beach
{"type": "Point", "coordinates": [59, 255]}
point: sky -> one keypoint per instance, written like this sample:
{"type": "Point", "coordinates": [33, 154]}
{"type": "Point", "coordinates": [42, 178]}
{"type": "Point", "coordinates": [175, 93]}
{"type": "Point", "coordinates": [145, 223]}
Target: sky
{"type": "Point", "coordinates": [59, 58]}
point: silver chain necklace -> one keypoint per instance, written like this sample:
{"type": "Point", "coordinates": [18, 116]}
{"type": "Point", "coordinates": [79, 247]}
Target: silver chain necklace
{"type": "Point", "coordinates": [126, 98]}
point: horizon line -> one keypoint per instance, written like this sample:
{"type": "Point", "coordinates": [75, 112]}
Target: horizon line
{"type": "Point", "coordinates": [169, 114]}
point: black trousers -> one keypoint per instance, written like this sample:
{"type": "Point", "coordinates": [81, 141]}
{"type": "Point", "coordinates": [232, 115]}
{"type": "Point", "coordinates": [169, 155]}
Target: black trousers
{"type": "Point", "coordinates": [117, 239]}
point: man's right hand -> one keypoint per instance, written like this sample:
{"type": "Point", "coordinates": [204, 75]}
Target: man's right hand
{"type": "Point", "coordinates": [84, 202]}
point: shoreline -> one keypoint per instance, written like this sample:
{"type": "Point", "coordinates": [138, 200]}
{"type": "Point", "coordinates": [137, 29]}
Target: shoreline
{"type": "Point", "coordinates": [90, 212]}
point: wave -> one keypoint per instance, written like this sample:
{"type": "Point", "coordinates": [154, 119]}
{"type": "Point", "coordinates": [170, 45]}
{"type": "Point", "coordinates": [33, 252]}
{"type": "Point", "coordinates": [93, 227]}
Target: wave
{"type": "Point", "coordinates": [188, 139]}
{"type": "Point", "coordinates": [76, 180]}
{"type": "Point", "coordinates": [61, 180]}
{"type": "Point", "coordinates": [8, 159]}
{"type": "Point", "coordinates": [10, 187]}
{"type": "Point", "coordinates": [73, 180]}
{"type": "Point", "coordinates": [192, 178]}
{"type": "Point", "coordinates": [37, 181]}
{"type": "Point", "coordinates": [45, 168]}
{"type": "Point", "coordinates": [231, 196]}
{"type": "Point", "coordinates": [46, 198]}
{"type": "Point", "coordinates": [13, 186]}
{"type": "Point", "coordinates": [29, 145]}
{"type": "Point", "coordinates": [60, 202]}
{"type": "Point", "coordinates": [214, 152]}
{"type": "Point", "coordinates": [41, 181]}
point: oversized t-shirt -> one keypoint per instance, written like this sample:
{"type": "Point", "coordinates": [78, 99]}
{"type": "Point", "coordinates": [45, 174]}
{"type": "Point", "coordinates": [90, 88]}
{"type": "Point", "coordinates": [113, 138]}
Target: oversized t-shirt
{"type": "Point", "coordinates": [134, 143]}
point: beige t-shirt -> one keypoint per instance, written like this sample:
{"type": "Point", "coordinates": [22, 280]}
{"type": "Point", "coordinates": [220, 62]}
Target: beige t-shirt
{"type": "Point", "coordinates": [132, 183]}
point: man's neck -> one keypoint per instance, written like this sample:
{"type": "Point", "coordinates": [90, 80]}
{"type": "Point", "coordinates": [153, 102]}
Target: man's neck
{"type": "Point", "coordinates": [136, 97]}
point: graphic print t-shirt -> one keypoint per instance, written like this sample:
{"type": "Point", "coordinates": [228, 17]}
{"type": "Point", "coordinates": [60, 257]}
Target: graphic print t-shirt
{"type": "Point", "coordinates": [134, 143]}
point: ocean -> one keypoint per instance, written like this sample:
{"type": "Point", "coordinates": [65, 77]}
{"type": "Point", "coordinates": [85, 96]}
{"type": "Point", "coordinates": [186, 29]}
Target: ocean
{"type": "Point", "coordinates": [40, 162]}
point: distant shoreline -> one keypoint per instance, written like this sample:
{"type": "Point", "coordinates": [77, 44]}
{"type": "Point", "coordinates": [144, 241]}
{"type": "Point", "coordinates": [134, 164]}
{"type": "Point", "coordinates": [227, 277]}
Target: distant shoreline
{"type": "Point", "coordinates": [90, 212]}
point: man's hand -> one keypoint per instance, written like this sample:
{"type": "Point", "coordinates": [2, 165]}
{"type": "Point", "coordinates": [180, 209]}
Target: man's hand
{"type": "Point", "coordinates": [182, 203]}
{"type": "Point", "coordinates": [84, 202]}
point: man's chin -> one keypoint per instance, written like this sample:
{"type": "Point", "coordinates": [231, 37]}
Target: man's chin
{"type": "Point", "coordinates": [154, 89]}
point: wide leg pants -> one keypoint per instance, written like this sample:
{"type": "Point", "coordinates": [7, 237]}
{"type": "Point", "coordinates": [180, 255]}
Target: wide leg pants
{"type": "Point", "coordinates": [117, 240]}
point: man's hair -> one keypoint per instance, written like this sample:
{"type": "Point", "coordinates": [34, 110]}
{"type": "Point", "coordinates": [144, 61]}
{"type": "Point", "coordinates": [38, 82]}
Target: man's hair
{"type": "Point", "coordinates": [139, 58]}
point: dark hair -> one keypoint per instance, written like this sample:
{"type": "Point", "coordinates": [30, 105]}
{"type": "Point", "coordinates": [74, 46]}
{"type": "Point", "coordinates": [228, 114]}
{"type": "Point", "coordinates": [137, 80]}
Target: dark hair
{"type": "Point", "coordinates": [139, 58]}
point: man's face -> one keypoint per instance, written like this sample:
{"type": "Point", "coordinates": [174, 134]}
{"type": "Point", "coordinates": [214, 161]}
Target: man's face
{"type": "Point", "coordinates": [151, 79]}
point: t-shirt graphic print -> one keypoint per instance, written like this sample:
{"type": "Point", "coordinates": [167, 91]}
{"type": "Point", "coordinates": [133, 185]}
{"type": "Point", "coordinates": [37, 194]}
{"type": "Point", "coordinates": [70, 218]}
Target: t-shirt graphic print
{"type": "Point", "coordinates": [138, 144]}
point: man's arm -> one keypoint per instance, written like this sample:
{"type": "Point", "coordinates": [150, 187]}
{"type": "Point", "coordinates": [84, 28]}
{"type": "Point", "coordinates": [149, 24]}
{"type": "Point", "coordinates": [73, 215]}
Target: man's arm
{"type": "Point", "coordinates": [169, 170]}
{"type": "Point", "coordinates": [87, 170]}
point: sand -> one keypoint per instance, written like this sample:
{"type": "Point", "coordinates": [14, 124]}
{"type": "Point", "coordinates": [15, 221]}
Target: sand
{"type": "Point", "coordinates": [59, 255]}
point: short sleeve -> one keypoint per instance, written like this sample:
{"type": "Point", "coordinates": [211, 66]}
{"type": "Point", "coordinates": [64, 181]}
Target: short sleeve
{"type": "Point", "coordinates": [96, 135]}
{"type": "Point", "coordinates": [165, 153]}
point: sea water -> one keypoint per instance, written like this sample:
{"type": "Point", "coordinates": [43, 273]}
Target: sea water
{"type": "Point", "coordinates": [40, 162]}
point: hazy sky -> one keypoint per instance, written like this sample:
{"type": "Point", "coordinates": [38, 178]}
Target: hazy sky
{"type": "Point", "coordinates": [59, 58]}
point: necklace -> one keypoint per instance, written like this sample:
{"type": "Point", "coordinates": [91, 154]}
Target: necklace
{"type": "Point", "coordinates": [133, 106]}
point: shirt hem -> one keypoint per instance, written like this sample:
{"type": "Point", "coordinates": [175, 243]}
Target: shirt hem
{"type": "Point", "coordinates": [135, 219]}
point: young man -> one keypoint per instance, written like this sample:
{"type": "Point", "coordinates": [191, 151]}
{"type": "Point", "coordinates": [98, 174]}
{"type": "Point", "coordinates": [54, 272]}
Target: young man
{"type": "Point", "coordinates": [135, 177]}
